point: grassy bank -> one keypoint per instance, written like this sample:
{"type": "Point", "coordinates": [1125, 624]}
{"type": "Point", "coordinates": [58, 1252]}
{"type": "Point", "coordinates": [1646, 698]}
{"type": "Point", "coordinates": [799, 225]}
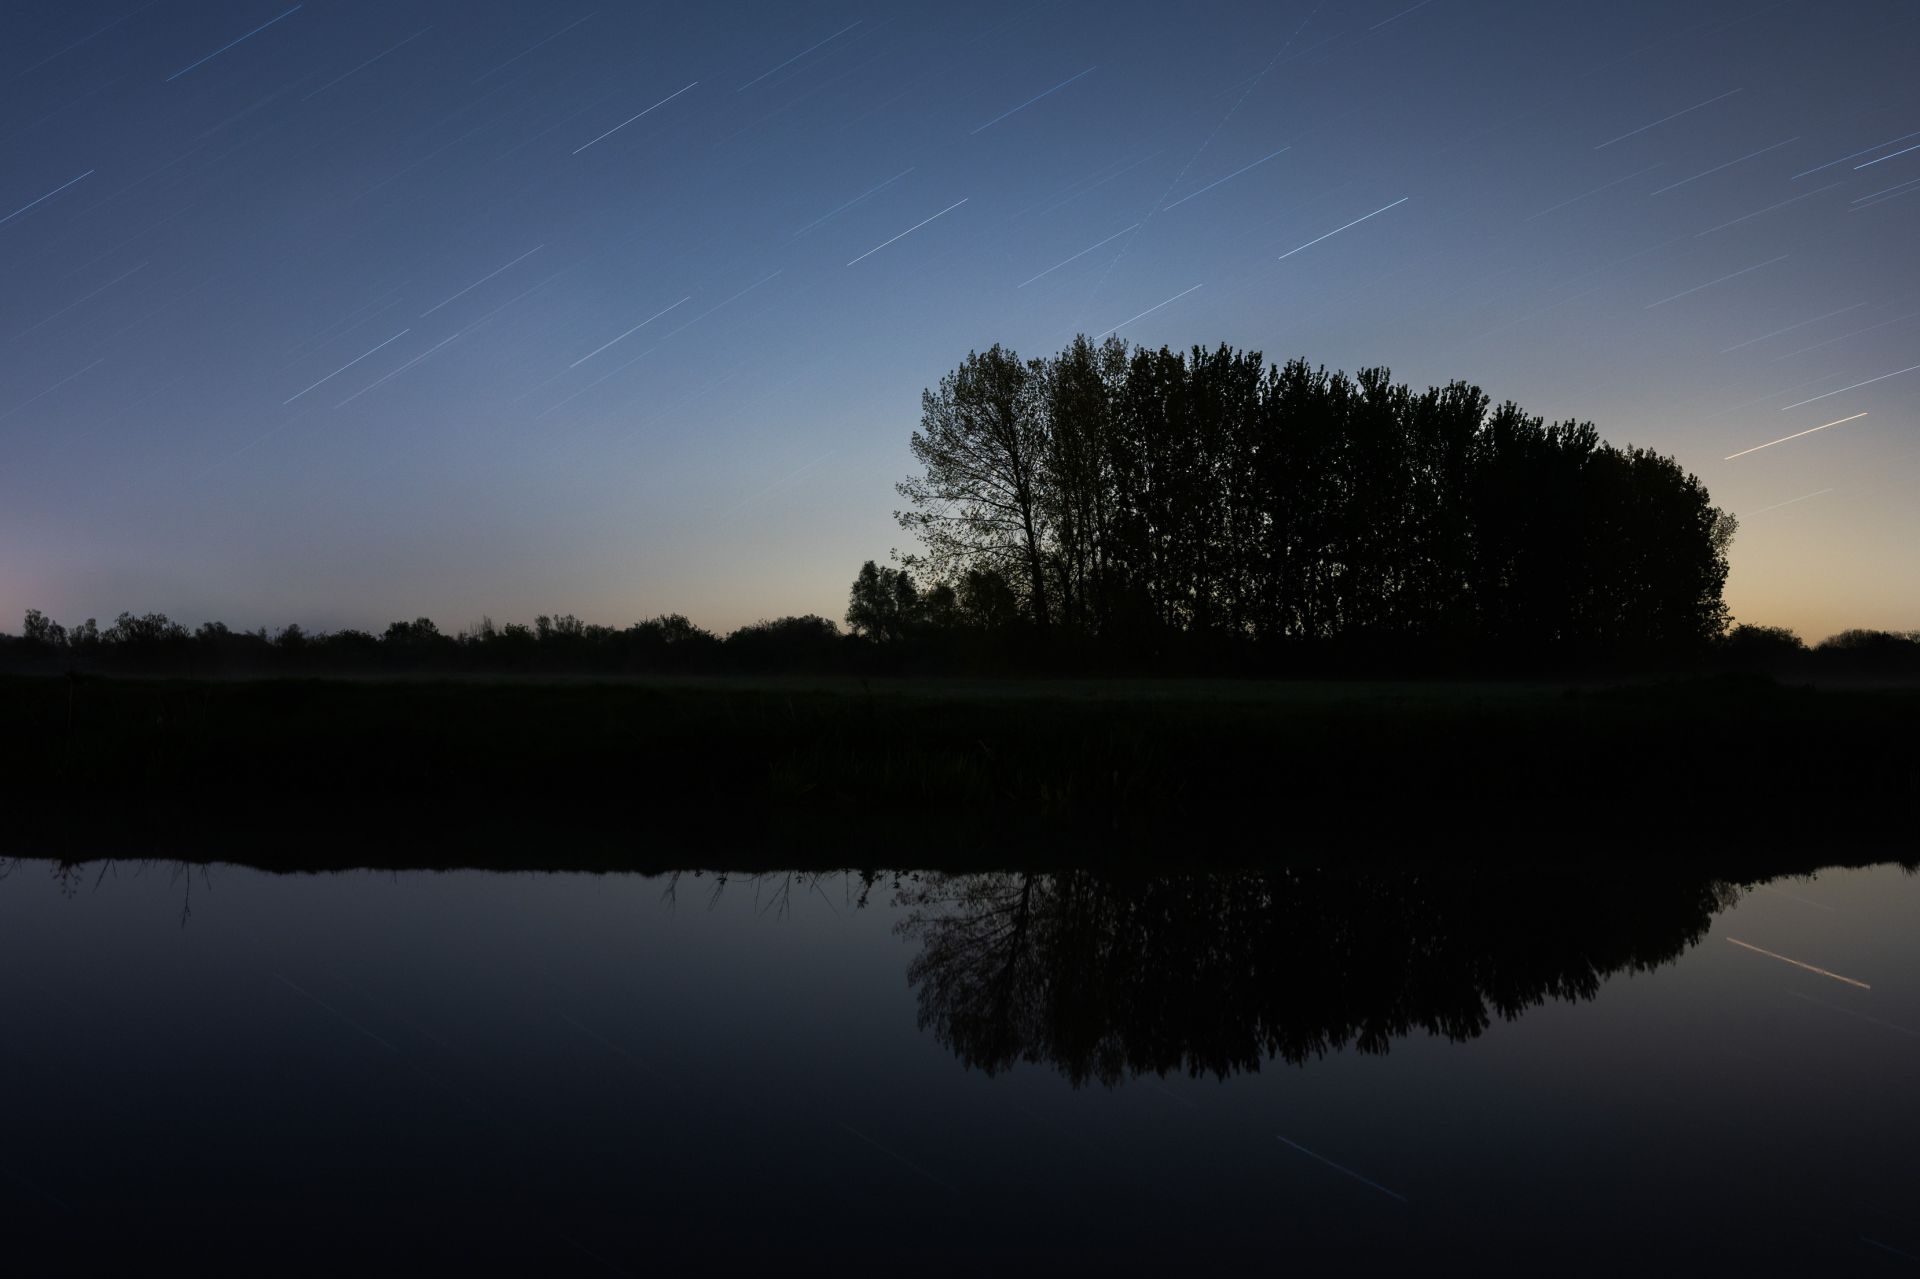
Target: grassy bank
{"type": "Point", "coordinates": [959, 769]}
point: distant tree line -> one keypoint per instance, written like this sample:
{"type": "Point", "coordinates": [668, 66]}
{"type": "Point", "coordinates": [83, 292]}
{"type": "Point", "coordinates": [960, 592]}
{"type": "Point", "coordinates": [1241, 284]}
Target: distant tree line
{"type": "Point", "coordinates": [1854, 652]}
{"type": "Point", "coordinates": [1206, 506]}
{"type": "Point", "coordinates": [552, 645]}
{"type": "Point", "coordinates": [896, 628]}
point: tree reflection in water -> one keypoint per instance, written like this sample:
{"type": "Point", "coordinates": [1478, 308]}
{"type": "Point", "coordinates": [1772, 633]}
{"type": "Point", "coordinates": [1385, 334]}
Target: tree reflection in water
{"type": "Point", "coordinates": [1106, 977]}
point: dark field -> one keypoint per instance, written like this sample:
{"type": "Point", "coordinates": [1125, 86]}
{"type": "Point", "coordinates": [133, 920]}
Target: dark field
{"type": "Point", "coordinates": [320, 771]}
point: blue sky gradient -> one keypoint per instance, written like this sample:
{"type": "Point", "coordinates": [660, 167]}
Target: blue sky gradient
{"type": "Point", "coordinates": [346, 311]}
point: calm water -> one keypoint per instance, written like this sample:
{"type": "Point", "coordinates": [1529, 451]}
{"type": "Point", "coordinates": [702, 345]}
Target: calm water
{"type": "Point", "coordinates": [229, 1070]}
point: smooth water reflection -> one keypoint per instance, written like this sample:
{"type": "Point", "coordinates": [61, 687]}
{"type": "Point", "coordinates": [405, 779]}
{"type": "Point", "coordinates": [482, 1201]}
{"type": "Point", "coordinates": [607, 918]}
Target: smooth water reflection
{"type": "Point", "coordinates": [225, 1069]}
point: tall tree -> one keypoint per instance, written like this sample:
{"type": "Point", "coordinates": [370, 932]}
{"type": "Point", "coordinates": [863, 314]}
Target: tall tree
{"type": "Point", "coordinates": [884, 603]}
{"type": "Point", "coordinates": [1081, 388]}
{"type": "Point", "coordinates": [981, 442]}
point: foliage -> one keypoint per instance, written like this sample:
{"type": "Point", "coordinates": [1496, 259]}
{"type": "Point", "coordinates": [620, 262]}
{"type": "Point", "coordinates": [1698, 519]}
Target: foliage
{"type": "Point", "coordinates": [886, 605]}
{"type": "Point", "coordinates": [787, 643]}
{"type": "Point", "coordinates": [1148, 502]}
{"type": "Point", "coordinates": [1873, 651]}
{"type": "Point", "coordinates": [1762, 646]}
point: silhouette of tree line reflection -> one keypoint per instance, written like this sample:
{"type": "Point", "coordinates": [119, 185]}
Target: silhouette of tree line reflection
{"type": "Point", "coordinates": [1104, 977]}
{"type": "Point", "coordinates": [1107, 977]}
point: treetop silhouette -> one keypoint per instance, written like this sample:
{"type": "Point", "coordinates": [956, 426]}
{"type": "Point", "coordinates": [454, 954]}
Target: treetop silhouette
{"type": "Point", "coordinates": [1140, 499]}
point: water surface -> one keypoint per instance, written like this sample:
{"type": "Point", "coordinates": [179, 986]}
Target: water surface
{"type": "Point", "coordinates": [222, 1068]}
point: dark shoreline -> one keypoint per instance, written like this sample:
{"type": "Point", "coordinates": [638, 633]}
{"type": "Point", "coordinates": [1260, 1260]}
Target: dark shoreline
{"type": "Point", "coordinates": [944, 773]}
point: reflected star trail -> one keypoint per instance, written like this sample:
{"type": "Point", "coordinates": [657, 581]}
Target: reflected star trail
{"type": "Point", "coordinates": [1677, 226]}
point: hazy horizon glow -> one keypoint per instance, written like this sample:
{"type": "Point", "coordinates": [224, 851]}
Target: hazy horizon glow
{"type": "Point", "coordinates": [340, 312]}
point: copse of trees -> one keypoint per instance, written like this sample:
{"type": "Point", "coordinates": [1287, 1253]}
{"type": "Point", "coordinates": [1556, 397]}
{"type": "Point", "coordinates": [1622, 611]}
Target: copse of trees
{"type": "Point", "coordinates": [1150, 503]}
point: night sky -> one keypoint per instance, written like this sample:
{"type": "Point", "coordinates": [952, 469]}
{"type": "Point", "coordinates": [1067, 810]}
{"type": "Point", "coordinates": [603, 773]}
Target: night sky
{"type": "Point", "coordinates": [352, 310]}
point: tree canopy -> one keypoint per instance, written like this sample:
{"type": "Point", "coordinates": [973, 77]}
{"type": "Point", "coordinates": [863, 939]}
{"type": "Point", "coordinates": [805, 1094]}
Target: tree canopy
{"type": "Point", "coordinates": [1146, 501]}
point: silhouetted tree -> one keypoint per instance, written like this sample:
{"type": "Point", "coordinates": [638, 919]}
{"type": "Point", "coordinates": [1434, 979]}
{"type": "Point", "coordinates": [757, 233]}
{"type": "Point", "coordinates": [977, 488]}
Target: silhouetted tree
{"type": "Point", "coordinates": [979, 502]}
{"type": "Point", "coordinates": [987, 602]}
{"type": "Point", "coordinates": [670, 642]}
{"type": "Point", "coordinates": [1080, 397]}
{"type": "Point", "coordinates": [147, 630]}
{"type": "Point", "coordinates": [942, 606]}
{"type": "Point", "coordinates": [786, 643]}
{"type": "Point", "coordinates": [149, 640]}
{"type": "Point", "coordinates": [420, 631]}
{"type": "Point", "coordinates": [42, 632]}
{"type": "Point", "coordinates": [1872, 652]}
{"type": "Point", "coordinates": [884, 603]}
{"type": "Point", "coordinates": [1151, 500]}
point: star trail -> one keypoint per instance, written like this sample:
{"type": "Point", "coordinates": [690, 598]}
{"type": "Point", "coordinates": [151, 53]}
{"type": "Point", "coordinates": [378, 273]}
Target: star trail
{"type": "Point", "coordinates": [227, 228]}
